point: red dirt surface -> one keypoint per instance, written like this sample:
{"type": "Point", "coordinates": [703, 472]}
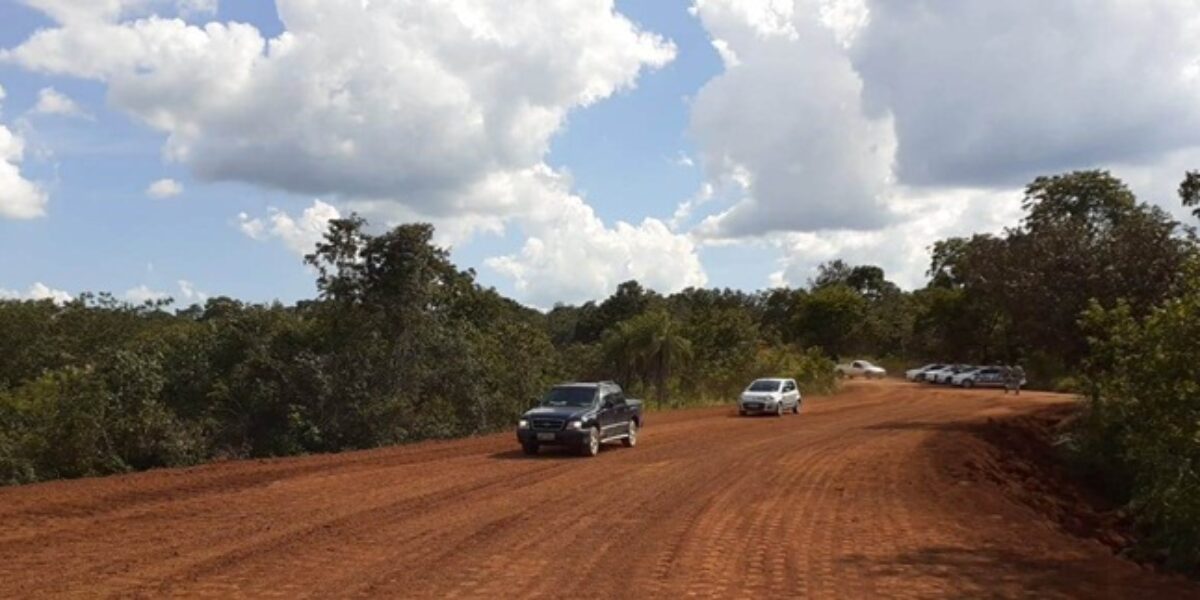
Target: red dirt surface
{"type": "Point", "coordinates": [887, 489]}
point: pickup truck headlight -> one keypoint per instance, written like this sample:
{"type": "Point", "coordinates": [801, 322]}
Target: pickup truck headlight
{"type": "Point", "coordinates": [576, 424]}
{"type": "Point", "coordinates": [523, 424]}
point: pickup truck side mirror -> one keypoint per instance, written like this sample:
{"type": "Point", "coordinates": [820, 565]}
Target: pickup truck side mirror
{"type": "Point", "coordinates": [607, 404]}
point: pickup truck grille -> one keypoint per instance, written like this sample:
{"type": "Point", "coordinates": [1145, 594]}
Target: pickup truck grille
{"type": "Point", "coordinates": [548, 424]}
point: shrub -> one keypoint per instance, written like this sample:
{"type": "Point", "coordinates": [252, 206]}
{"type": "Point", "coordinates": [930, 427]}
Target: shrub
{"type": "Point", "coordinates": [811, 369]}
{"type": "Point", "coordinates": [1067, 385]}
{"type": "Point", "coordinates": [1141, 433]}
{"type": "Point", "coordinates": [75, 422]}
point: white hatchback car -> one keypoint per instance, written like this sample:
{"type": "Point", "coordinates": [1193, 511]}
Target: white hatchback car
{"type": "Point", "coordinates": [770, 396]}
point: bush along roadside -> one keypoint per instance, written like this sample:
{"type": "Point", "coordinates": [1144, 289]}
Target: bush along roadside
{"type": "Point", "coordinates": [1140, 433]}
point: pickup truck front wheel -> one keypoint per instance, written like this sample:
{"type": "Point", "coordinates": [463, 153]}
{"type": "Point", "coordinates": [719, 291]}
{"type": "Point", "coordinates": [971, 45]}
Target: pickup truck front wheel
{"type": "Point", "coordinates": [631, 440]}
{"type": "Point", "coordinates": [529, 448]}
{"type": "Point", "coordinates": [591, 445]}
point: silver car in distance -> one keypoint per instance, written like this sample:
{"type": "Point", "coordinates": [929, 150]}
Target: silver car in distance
{"type": "Point", "coordinates": [772, 396]}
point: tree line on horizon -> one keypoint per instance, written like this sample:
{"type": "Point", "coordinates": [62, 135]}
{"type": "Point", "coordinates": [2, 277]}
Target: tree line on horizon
{"type": "Point", "coordinates": [1093, 291]}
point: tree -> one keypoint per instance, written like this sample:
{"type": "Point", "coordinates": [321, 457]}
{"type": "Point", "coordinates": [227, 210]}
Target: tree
{"type": "Point", "coordinates": [1084, 237]}
{"type": "Point", "coordinates": [620, 353]}
{"type": "Point", "coordinates": [1142, 423]}
{"type": "Point", "coordinates": [723, 329]}
{"type": "Point", "coordinates": [650, 345]}
{"type": "Point", "coordinates": [834, 272]}
{"type": "Point", "coordinates": [1189, 191]}
{"type": "Point", "coordinates": [868, 280]}
{"type": "Point", "coordinates": [662, 349]}
{"type": "Point", "coordinates": [630, 300]}
{"type": "Point", "coordinates": [829, 317]}
{"type": "Point", "coordinates": [779, 309]}
{"type": "Point", "coordinates": [1091, 198]}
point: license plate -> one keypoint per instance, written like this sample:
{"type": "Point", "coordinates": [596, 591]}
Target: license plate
{"type": "Point", "coordinates": [546, 437]}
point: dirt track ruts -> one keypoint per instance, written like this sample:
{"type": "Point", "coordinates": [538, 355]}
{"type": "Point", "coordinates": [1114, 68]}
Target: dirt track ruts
{"type": "Point", "coordinates": [854, 498]}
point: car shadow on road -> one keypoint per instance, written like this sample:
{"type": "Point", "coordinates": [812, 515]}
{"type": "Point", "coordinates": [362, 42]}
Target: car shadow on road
{"type": "Point", "coordinates": [1003, 573]}
{"type": "Point", "coordinates": [543, 454]}
{"type": "Point", "coordinates": [733, 414]}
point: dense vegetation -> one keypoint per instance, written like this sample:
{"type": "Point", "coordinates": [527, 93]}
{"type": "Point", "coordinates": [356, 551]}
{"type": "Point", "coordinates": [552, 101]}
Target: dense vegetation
{"type": "Point", "coordinates": [400, 346]}
{"type": "Point", "coordinates": [1093, 291]}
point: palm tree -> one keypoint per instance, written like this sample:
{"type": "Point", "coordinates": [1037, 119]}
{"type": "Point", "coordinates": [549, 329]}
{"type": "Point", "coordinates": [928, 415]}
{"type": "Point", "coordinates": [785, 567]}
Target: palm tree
{"type": "Point", "coordinates": [660, 348]}
{"type": "Point", "coordinates": [649, 347]}
{"type": "Point", "coordinates": [618, 347]}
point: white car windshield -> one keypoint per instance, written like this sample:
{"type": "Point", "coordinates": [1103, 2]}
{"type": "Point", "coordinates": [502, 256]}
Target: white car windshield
{"type": "Point", "coordinates": [764, 385]}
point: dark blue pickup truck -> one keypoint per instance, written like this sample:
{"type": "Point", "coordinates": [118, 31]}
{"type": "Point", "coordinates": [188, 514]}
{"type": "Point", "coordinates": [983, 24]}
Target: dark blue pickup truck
{"type": "Point", "coordinates": [581, 416]}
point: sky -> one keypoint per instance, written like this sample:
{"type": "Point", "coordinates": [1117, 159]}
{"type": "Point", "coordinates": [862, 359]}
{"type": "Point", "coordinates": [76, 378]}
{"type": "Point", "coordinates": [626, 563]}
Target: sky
{"type": "Point", "coordinates": [194, 148]}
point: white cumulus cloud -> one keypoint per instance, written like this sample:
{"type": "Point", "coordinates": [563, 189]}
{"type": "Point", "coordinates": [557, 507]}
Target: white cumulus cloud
{"type": "Point", "coordinates": [868, 129]}
{"type": "Point", "coordinates": [189, 293]}
{"type": "Point", "coordinates": [902, 248]}
{"type": "Point", "coordinates": [406, 100]}
{"type": "Point", "coordinates": [786, 125]}
{"type": "Point", "coordinates": [20, 198]}
{"type": "Point", "coordinates": [164, 188]}
{"type": "Point", "coordinates": [53, 102]}
{"type": "Point", "coordinates": [37, 291]}
{"type": "Point", "coordinates": [300, 234]}
{"type": "Point", "coordinates": [570, 255]}
{"type": "Point", "coordinates": [400, 108]}
{"type": "Point", "coordinates": [994, 93]}
{"type": "Point", "coordinates": [142, 294]}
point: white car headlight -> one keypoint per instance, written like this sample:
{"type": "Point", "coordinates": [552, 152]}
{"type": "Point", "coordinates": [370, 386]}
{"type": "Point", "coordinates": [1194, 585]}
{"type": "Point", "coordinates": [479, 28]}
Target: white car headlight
{"type": "Point", "coordinates": [523, 424]}
{"type": "Point", "coordinates": [576, 424]}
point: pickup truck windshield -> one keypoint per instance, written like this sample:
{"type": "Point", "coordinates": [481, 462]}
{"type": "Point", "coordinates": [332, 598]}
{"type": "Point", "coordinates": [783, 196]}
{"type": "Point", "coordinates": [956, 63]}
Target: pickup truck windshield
{"type": "Point", "coordinates": [569, 396]}
{"type": "Point", "coordinates": [764, 385]}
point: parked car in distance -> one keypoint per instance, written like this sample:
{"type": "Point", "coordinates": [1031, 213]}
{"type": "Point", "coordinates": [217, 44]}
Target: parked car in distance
{"type": "Point", "coordinates": [770, 396]}
{"type": "Point", "coordinates": [959, 370]}
{"type": "Point", "coordinates": [581, 416]}
{"type": "Point", "coordinates": [931, 375]}
{"type": "Point", "coordinates": [918, 374]}
{"type": "Point", "coordinates": [944, 374]}
{"type": "Point", "coordinates": [860, 368]}
{"type": "Point", "coordinates": [982, 377]}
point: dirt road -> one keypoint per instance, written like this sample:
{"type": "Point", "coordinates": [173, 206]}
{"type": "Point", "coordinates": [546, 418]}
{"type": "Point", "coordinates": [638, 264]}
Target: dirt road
{"type": "Point", "coordinates": [863, 494]}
